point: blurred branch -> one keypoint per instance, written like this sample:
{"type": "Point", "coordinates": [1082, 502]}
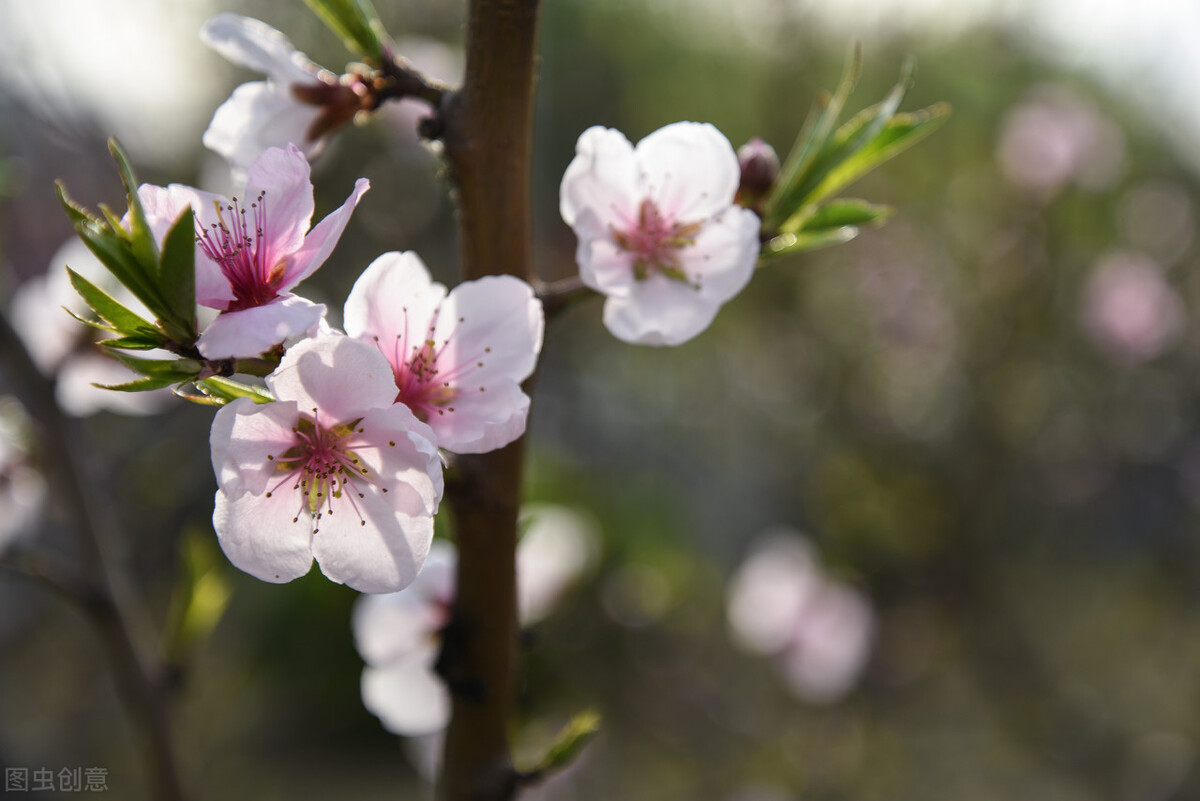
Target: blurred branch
{"type": "Point", "coordinates": [138, 679]}
{"type": "Point", "coordinates": [488, 136]}
{"type": "Point", "coordinates": [556, 296]}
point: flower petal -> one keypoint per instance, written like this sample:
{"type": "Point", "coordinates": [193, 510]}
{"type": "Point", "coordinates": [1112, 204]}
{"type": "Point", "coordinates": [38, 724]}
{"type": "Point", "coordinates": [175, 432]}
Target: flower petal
{"type": "Point", "coordinates": [256, 45]}
{"type": "Point", "coordinates": [250, 332]}
{"type": "Point", "coordinates": [689, 169]}
{"type": "Point", "coordinates": [659, 311]}
{"type": "Point", "coordinates": [258, 536]}
{"type": "Point", "coordinates": [258, 116]}
{"type": "Point", "coordinates": [603, 266]}
{"type": "Point", "coordinates": [244, 435]}
{"type": "Point", "coordinates": [279, 181]}
{"type": "Point", "coordinates": [603, 177]}
{"type": "Point", "coordinates": [401, 455]}
{"type": "Point", "coordinates": [391, 627]}
{"type": "Point", "coordinates": [393, 300]}
{"type": "Point", "coordinates": [407, 697]}
{"type": "Point", "coordinates": [342, 377]}
{"type": "Point", "coordinates": [723, 259]}
{"type": "Point", "coordinates": [375, 550]}
{"type": "Point", "coordinates": [320, 241]}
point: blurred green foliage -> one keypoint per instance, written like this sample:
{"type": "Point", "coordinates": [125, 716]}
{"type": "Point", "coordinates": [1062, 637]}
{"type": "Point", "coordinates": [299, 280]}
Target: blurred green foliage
{"type": "Point", "coordinates": [1008, 467]}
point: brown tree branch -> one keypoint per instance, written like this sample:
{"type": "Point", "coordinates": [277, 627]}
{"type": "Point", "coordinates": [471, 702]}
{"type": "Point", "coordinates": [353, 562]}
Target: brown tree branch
{"type": "Point", "coordinates": [488, 136]}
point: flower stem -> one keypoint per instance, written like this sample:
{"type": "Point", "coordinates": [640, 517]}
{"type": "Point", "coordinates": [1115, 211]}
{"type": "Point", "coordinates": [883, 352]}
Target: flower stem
{"type": "Point", "coordinates": [488, 136]}
{"type": "Point", "coordinates": [140, 681]}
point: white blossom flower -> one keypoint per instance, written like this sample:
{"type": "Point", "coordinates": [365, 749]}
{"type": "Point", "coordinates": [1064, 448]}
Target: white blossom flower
{"type": "Point", "coordinates": [458, 359]}
{"type": "Point", "coordinates": [399, 634]}
{"type": "Point", "coordinates": [250, 253]}
{"type": "Point", "coordinates": [284, 109]}
{"type": "Point", "coordinates": [819, 630]}
{"type": "Point", "coordinates": [63, 347]}
{"type": "Point", "coordinates": [332, 469]}
{"type": "Point", "coordinates": [1129, 308]}
{"type": "Point", "coordinates": [659, 234]}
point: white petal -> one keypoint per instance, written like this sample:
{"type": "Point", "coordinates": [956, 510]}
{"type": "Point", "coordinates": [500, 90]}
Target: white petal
{"type": "Point", "coordinates": [603, 177]}
{"type": "Point", "coordinates": [258, 116]}
{"type": "Point", "coordinates": [689, 169]}
{"type": "Point", "coordinates": [481, 421]}
{"type": "Point", "coordinates": [249, 332]}
{"type": "Point", "coordinates": [400, 453]}
{"type": "Point", "coordinates": [372, 548]}
{"type": "Point", "coordinates": [243, 435]}
{"type": "Point", "coordinates": [557, 546]}
{"type": "Point", "coordinates": [258, 536]}
{"type": "Point", "coordinates": [768, 592]}
{"type": "Point", "coordinates": [659, 311]}
{"type": "Point", "coordinates": [603, 266]}
{"type": "Point", "coordinates": [342, 377]}
{"type": "Point", "coordinates": [256, 45]}
{"type": "Point", "coordinates": [407, 697]}
{"type": "Point", "coordinates": [394, 298]}
{"type": "Point", "coordinates": [396, 625]}
{"type": "Point", "coordinates": [723, 259]}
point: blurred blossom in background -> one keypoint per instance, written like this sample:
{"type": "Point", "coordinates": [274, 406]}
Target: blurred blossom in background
{"type": "Point", "coordinates": [983, 415]}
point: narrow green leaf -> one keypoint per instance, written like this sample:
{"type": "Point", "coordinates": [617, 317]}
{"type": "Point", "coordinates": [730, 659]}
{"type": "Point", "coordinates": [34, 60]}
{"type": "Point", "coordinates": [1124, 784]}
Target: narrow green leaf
{"type": "Point", "coordinates": [122, 320]}
{"type": "Point", "coordinates": [91, 322]}
{"type": "Point", "coordinates": [836, 213]}
{"type": "Point", "coordinates": [901, 132]}
{"type": "Point", "coordinates": [178, 369]}
{"type": "Point", "coordinates": [355, 22]}
{"type": "Point", "coordinates": [141, 385]}
{"type": "Point", "coordinates": [133, 342]}
{"type": "Point", "coordinates": [140, 236]}
{"type": "Point", "coordinates": [219, 391]}
{"type": "Point", "coordinates": [567, 746]}
{"type": "Point", "coordinates": [811, 140]}
{"type": "Point", "coordinates": [796, 243]}
{"type": "Point", "coordinates": [77, 214]}
{"type": "Point", "coordinates": [177, 270]}
{"type": "Point", "coordinates": [116, 256]}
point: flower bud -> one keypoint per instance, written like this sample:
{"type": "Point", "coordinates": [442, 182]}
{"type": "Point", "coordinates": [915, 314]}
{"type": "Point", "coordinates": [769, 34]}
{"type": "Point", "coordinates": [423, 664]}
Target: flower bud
{"type": "Point", "coordinates": [760, 170]}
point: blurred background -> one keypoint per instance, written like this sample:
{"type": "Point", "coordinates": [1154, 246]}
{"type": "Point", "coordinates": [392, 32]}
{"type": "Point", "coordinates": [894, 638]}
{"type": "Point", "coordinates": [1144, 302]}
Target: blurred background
{"type": "Point", "coordinates": [961, 452]}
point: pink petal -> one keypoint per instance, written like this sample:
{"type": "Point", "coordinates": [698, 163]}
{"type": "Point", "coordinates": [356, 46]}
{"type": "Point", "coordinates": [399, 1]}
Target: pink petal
{"type": "Point", "coordinates": [250, 332]}
{"type": "Point", "coordinates": [321, 240]}
{"type": "Point", "coordinates": [163, 205]}
{"type": "Point", "coordinates": [482, 421]}
{"type": "Point", "coordinates": [689, 169]}
{"type": "Point", "coordinates": [725, 255]}
{"type": "Point", "coordinates": [603, 178]}
{"type": "Point", "coordinates": [659, 311]}
{"type": "Point", "coordinates": [407, 697]}
{"type": "Point", "coordinates": [244, 434]}
{"type": "Point", "coordinates": [394, 298]}
{"type": "Point", "coordinates": [375, 550]}
{"type": "Point", "coordinates": [258, 116]}
{"type": "Point", "coordinates": [341, 377]}
{"type": "Point", "coordinates": [256, 45]}
{"type": "Point", "coordinates": [258, 536]}
{"type": "Point", "coordinates": [283, 175]}
{"type": "Point", "coordinates": [603, 266]}
{"type": "Point", "coordinates": [401, 455]}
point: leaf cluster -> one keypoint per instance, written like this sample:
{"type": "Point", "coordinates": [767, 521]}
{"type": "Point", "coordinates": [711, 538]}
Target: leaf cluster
{"type": "Point", "coordinates": [802, 212]}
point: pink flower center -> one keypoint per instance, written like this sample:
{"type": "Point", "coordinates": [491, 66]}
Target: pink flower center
{"type": "Point", "coordinates": [655, 241]}
{"type": "Point", "coordinates": [430, 376]}
{"type": "Point", "coordinates": [322, 467]}
{"type": "Point", "coordinates": [238, 244]}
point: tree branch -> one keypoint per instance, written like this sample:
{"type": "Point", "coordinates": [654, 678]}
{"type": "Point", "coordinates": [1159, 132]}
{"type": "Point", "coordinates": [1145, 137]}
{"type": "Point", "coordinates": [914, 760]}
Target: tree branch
{"type": "Point", "coordinates": [488, 136]}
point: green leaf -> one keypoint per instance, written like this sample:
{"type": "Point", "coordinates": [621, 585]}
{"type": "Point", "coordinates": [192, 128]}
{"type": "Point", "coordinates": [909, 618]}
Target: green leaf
{"type": "Point", "coordinates": [811, 141]}
{"type": "Point", "coordinates": [177, 270]}
{"type": "Point", "coordinates": [116, 256]}
{"type": "Point", "coordinates": [134, 342]}
{"type": "Point", "coordinates": [140, 236]}
{"type": "Point", "coordinates": [180, 369]}
{"type": "Point", "coordinates": [121, 319]}
{"type": "Point", "coordinates": [355, 22]}
{"type": "Point", "coordinates": [77, 214]}
{"type": "Point", "coordinates": [218, 391]}
{"type": "Point", "coordinates": [796, 243]}
{"type": "Point", "coordinates": [567, 746]}
{"type": "Point", "coordinates": [836, 213]}
{"type": "Point", "coordinates": [141, 385]}
{"type": "Point", "coordinates": [901, 132]}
